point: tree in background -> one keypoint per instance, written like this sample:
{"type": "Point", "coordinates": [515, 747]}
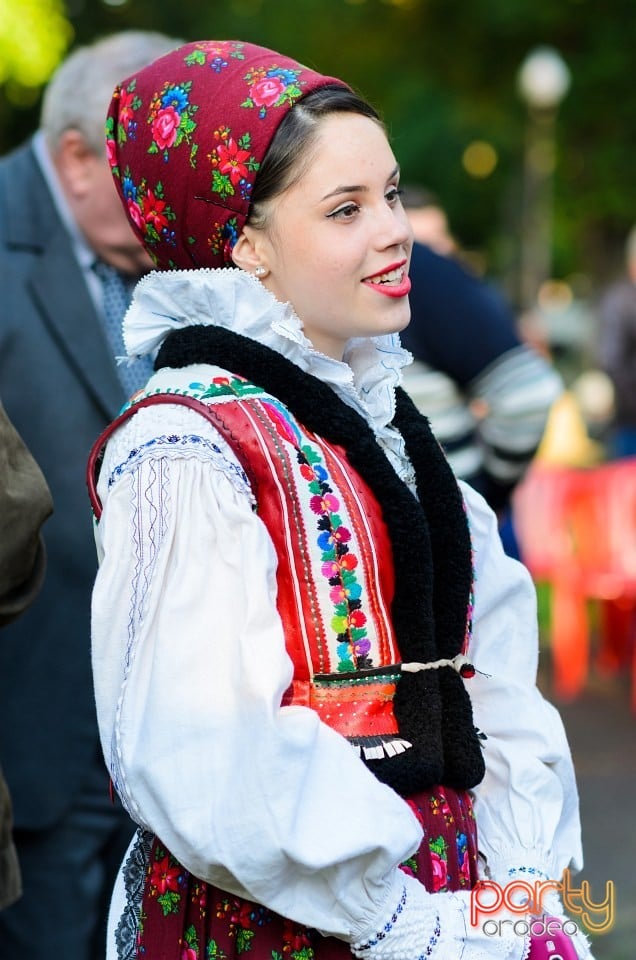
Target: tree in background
{"type": "Point", "coordinates": [444, 75]}
{"type": "Point", "coordinates": [34, 36]}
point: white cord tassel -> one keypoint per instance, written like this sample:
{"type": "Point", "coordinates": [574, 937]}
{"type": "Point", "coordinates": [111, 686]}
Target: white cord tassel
{"type": "Point", "coordinates": [460, 663]}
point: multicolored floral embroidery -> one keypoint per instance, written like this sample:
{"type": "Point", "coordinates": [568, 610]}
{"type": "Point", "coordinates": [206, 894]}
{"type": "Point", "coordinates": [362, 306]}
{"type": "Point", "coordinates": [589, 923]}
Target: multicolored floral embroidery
{"type": "Point", "coordinates": [439, 861]}
{"type": "Point", "coordinates": [162, 114]}
{"type": "Point", "coordinates": [216, 54]}
{"type": "Point", "coordinates": [225, 386]}
{"type": "Point", "coordinates": [233, 164]}
{"type": "Point", "coordinates": [272, 87]}
{"type": "Point", "coordinates": [450, 841]}
{"type": "Point", "coordinates": [243, 915]}
{"type": "Point", "coordinates": [166, 881]}
{"type": "Point", "coordinates": [199, 896]}
{"type": "Point", "coordinates": [129, 102]}
{"type": "Point", "coordinates": [148, 209]}
{"type": "Point", "coordinates": [111, 147]}
{"type": "Point", "coordinates": [463, 859]}
{"type": "Point", "coordinates": [439, 805]}
{"type": "Point", "coordinates": [170, 116]}
{"type": "Point", "coordinates": [338, 564]}
{"type": "Point", "coordinates": [206, 923]}
{"type": "Point", "coordinates": [296, 943]}
{"type": "Point", "coordinates": [223, 237]}
{"type": "Point", "coordinates": [190, 944]}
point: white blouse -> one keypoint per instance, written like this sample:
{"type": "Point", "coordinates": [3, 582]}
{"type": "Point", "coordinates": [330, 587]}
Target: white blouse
{"type": "Point", "coordinates": [190, 665]}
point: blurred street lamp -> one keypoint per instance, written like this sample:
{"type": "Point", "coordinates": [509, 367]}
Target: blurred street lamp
{"type": "Point", "coordinates": [544, 80]}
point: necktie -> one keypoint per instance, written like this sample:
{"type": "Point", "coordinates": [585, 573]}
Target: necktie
{"type": "Point", "coordinates": [116, 294]}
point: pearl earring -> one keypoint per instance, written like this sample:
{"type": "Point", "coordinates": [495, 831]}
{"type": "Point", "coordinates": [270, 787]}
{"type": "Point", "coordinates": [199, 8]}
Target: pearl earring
{"type": "Point", "coordinates": [260, 270]}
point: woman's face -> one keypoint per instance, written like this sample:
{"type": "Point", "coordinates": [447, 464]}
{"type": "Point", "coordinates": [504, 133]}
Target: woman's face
{"type": "Point", "coordinates": [337, 243]}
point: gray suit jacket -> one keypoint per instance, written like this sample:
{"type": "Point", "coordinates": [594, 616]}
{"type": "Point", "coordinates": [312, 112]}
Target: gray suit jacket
{"type": "Point", "coordinates": [59, 385]}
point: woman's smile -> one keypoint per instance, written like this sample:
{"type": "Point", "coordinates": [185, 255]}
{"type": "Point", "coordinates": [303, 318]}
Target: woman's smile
{"type": "Point", "coordinates": [339, 236]}
{"type": "Point", "coordinates": [392, 282]}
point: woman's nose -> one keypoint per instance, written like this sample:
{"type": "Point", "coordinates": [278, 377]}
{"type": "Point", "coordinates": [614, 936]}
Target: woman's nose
{"type": "Point", "coordinates": [395, 227]}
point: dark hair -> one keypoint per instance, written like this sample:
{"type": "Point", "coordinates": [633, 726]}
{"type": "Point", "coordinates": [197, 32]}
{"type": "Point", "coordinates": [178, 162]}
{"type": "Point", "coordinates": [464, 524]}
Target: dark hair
{"type": "Point", "coordinates": [289, 150]}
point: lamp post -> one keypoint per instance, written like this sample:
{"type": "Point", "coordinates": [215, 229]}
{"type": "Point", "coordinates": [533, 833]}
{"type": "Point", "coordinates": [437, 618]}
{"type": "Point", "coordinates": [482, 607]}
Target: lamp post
{"type": "Point", "coordinates": [544, 80]}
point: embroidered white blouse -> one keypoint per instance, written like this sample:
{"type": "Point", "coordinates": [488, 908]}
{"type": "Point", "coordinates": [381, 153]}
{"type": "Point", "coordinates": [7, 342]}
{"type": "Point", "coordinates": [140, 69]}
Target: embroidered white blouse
{"type": "Point", "coordinates": [190, 662]}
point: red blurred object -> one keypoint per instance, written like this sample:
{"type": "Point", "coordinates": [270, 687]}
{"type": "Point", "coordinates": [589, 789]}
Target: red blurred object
{"type": "Point", "coordinates": [577, 531]}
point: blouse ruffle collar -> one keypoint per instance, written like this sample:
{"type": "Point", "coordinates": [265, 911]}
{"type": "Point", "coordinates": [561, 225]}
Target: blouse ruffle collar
{"type": "Point", "coordinates": [164, 301]}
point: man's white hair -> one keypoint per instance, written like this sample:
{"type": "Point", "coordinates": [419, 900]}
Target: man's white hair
{"type": "Point", "coordinates": [79, 92]}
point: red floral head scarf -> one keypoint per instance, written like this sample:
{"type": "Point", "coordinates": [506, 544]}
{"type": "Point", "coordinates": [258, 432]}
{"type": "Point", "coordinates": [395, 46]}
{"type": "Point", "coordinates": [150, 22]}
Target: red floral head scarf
{"type": "Point", "coordinates": [186, 137]}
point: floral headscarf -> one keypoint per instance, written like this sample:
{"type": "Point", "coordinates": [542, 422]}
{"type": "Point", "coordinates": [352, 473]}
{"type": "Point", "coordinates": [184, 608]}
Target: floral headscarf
{"type": "Point", "coordinates": [186, 136]}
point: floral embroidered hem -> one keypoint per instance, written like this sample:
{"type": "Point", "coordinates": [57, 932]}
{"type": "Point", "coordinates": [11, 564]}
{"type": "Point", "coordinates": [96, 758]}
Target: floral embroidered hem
{"type": "Point", "coordinates": [171, 915]}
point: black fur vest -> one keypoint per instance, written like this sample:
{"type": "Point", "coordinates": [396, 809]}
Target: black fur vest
{"type": "Point", "coordinates": [432, 552]}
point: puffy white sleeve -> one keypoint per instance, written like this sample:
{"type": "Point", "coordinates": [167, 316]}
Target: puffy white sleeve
{"type": "Point", "coordinates": [190, 666]}
{"type": "Point", "coordinates": [526, 807]}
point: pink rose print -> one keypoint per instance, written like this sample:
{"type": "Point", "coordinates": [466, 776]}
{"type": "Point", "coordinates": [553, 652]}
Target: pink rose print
{"type": "Point", "coordinates": [188, 953]}
{"type": "Point", "coordinates": [439, 871]}
{"type": "Point", "coordinates": [110, 153]}
{"type": "Point", "coordinates": [165, 127]}
{"type": "Point", "coordinates": [135, 214]}
{"type": "Point", "coordinates": [266, 92]}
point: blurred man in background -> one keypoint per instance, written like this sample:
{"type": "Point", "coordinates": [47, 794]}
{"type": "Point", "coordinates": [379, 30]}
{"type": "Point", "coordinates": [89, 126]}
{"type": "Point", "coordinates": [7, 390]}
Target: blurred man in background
{"type": "Point", "coordinates": [68, 261]}
{"type": "Point", "coordinates": [486, 393]}
{"type": "Point", "coordinates": [617, 352]}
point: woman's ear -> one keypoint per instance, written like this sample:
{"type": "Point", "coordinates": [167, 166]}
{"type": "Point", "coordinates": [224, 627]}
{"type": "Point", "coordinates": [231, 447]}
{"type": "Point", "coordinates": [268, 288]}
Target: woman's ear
{"type": "Point", "coordinates": [247, 252]}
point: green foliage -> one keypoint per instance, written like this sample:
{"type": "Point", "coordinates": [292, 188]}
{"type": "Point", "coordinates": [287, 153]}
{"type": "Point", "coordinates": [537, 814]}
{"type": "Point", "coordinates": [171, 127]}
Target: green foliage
{"type": "Point", "coordinates": [444, 73]}
{"type": "Point", "coordinates": [34, 35]}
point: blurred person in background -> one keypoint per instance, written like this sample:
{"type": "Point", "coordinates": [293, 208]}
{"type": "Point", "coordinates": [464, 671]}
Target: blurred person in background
{"type": "Point", "coordinates": [429, 220]}
{"type": "Point", "coordinates": [486, 392]}
{"type": "Point", "coordinates": [25, 503]}
{"type": "Point", "coordinates": [68, 259]}
{"type": "Point", "coordinates": [617, 352]}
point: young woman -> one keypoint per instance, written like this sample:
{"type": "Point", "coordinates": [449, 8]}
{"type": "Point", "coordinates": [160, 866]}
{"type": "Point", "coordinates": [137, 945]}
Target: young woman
{"type": "Point", "coordinates": [314, 666]}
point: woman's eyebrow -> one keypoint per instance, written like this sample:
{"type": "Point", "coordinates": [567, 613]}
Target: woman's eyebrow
{"type": "Point", "coordinates": [354, 188]}
{"type": "Point", "coordinates": [357, 187]}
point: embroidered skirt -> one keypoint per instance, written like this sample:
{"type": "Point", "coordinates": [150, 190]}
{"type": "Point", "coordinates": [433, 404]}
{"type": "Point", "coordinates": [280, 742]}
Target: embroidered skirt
{"type": "Point", "coordinates": [170, 915]}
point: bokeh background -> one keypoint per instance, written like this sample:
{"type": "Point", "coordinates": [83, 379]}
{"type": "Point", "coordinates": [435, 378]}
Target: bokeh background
{"type": "Point", "coordinates": [446, 76]}
{"type": "Point", "coordinates": [535, 170]}
{"type": "Point", "coordinates": [520, 116]}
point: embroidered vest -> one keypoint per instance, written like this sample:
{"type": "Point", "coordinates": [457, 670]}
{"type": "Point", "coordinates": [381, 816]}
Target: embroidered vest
{"type": "Point", "coordinates": [351, 595]}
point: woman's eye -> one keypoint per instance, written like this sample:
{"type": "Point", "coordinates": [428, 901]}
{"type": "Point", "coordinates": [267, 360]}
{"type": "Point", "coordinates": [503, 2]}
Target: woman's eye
{"type": "Point", "coordinates": [347, 212]}
{"type": "Point", "coordinates": [392, 196]}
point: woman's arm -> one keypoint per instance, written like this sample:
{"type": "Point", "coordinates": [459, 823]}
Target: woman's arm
{"type": "Point", "coordinates": [190, 667]}
{"type": "Point", "coordinates": [527, 804]}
